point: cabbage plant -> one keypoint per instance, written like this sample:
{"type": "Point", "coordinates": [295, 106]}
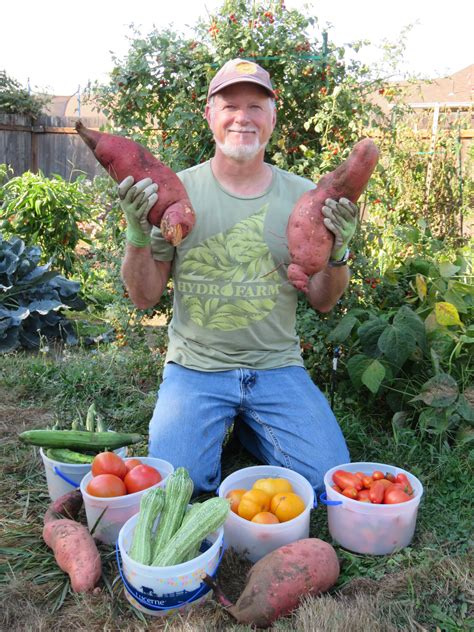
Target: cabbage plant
{"type": "Point", "coordinates": [33, 298]}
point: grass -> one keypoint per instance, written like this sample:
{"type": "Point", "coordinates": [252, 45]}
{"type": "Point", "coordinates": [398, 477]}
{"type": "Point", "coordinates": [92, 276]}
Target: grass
{"type": "Point", "coordinates": [426, 586]}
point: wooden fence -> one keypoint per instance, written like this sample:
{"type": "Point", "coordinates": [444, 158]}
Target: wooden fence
{"type": "Point", "coordinates": [49, 144]}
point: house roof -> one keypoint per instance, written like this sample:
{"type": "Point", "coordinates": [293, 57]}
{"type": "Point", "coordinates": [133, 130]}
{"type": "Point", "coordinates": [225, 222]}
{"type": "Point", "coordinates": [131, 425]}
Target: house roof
{"type": "Point", "coordinates": [69, 106]}
{"type": "Point", "coordinates": [456, 88]}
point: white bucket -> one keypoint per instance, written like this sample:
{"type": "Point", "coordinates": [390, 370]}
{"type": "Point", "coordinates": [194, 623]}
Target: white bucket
{"type": "Point", "coordinates": [253, 540]}
{"type": "Point", "coordinates": [371, 528]}
{"type": "Point", "coordinates": [114, 512]}
{"type": "Point", "coordinates": [163, 590]}
{"type": "Point", "coordinates": [62, 478]}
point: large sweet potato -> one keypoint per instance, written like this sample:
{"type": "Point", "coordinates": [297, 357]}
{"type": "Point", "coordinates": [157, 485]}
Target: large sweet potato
{"type": "Point", "coordinates": [277, 582]}
{"type": "Point", "coordinates": [73, 546]}
{"type": "Point", "coordinates": [309, 241]}
{"type": "Point", "coordinates": [124, 157]}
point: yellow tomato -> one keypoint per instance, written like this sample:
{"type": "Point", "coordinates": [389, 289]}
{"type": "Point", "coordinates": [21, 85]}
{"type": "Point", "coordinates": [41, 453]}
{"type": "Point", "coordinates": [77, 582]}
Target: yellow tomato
{"type": "Point", "coordinates": [286, 506]}
{"type": "Point", "coordinates": [273, 486]}
{"type": "Point", "coordinates": [265, 517]}
{"type": "Point", "coordinates": [253, 502]}
{"type": "Point", "coordinates": [235, 496]}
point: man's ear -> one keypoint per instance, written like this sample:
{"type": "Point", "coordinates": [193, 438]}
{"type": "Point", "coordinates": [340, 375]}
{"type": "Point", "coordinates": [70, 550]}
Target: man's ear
{"type": "Point", "coordinates": [207, 114]}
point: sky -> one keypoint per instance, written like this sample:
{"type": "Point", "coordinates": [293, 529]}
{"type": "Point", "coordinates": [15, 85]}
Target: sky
{"type": "Point", "coordinates": [58, 47]}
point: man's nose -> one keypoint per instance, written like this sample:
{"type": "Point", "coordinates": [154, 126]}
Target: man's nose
{"type": "Point", "coordinates": [242, 115]}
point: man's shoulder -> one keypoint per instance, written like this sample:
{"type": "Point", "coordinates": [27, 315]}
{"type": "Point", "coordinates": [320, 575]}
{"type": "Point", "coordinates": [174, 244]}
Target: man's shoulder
{"type": "Point", "coordinates": [293, 180]}
{"type": "Point", "coordinates": [197, 171]}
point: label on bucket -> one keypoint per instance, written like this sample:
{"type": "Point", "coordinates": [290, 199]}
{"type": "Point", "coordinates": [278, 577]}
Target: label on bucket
{"type": "Point", "coordinates": [148, 598]}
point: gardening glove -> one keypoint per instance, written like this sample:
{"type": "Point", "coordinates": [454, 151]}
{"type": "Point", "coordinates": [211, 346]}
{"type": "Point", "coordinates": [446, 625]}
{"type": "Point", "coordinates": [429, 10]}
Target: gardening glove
{"type": "Point", "coordinates": [341, 219]}
{"type": "Point", "coordinates": [136, 200]}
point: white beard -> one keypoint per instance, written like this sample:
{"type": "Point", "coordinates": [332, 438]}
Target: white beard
{"type": "Point", "coordinates": [240, 152]}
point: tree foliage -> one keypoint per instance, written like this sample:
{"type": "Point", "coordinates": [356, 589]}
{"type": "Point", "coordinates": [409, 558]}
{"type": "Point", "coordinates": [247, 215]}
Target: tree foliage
{"type": "Point", "coordinates": [16, 100]}
{"type": "Point", "coordinates": [157, 93]}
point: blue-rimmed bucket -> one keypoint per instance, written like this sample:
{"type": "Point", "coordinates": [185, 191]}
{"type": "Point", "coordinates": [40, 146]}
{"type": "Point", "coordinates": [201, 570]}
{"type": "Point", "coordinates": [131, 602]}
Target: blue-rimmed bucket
{"type": "Point", "coordinates": [371, 528]}
{"type": "Point", "coordinates": [164, 590]}
{"type": "Point", "coordinates": [62, 478]}
{"type": "Point", "coordinates": [252, 540]}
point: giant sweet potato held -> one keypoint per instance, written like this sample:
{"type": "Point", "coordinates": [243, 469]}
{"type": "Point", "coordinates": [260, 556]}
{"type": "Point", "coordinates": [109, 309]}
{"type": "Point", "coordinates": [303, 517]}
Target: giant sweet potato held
{"type": "Point", "coordinates": [309, 241]}
{"type": "Point", "coordinates": [124, 157]}
{"type": "Point", "coordinates": [277, 582]}
{"type": "Point", "coordinates": [74, 548]}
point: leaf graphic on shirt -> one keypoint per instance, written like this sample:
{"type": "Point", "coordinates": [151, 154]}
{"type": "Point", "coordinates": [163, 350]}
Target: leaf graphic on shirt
{"type": "Point", "coordinates": [237, 266]}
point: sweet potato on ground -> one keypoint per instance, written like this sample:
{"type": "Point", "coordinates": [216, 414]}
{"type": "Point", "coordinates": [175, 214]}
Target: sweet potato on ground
{"type": "Point", "coordinates": [74, 548]}
{"type": "Point", "coordinates": [124, 157]}
{"type": "Point", "coordinates": [277, 582]}
{"type": "Point", "coordinates": [309, 241]}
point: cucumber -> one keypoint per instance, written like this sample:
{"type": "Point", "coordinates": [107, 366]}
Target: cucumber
{"type": "Point", "coordinates": [63, 455]}
{"type": "Point", "coordinates": [79, 440]}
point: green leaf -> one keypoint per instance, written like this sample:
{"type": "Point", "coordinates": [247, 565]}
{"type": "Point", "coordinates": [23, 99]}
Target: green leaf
{"type": "Point", "coordinates": [369, 334]}
{"type": "Point", "coordinates": [356, 367]}
{"type": "Point", "coordinates": [439, 392]}
{"type": "Point", "coordinates": [373, 376]}
{"type": "Point", "coordinates": [343, 329]}
{"type": "Point", "coordinates": [397, 343]}
{"type": "Point", "coordinates": [447, 269]}
{"type": "Point", "coordinates": [465, 405]}
{"type": "Point", "coordinates": [433, 421]}
{"type": "Point", "coordinates": [406, 317]}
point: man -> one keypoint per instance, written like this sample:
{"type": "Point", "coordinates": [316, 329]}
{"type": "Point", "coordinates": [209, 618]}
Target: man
{"type": "Point", "coordinates": [233, 353]}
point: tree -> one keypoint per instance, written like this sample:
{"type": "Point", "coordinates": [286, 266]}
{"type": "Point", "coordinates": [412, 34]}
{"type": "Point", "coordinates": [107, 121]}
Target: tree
{"type": "Point", "coordinates": [157, 92]}
{"type": "Point", "coordinates": [16, 100]}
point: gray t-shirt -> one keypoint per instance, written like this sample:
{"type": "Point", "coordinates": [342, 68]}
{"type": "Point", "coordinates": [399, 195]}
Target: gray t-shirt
{"type": "Point", "coordinates": [233, 305]}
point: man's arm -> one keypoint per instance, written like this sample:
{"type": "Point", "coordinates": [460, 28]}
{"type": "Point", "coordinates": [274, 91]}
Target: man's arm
{"type": "Point", "coordinates": [327, 286]}
{"type": "Point", "coordinates": [144, 277]}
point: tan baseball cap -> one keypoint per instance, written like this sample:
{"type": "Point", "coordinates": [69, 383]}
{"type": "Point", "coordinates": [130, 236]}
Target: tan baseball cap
{"type": "Point", "coordinates": [238, 71]}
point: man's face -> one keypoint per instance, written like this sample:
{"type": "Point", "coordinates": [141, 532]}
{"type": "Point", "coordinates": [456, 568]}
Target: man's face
{"type": "Point", "coordinates": [242, 118]}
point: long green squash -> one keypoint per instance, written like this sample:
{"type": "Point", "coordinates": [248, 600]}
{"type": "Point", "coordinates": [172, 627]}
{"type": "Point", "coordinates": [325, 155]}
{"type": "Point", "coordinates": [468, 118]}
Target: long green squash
{"type": "Point", "coordinates": [151, 504]}
{"type": "Point", "coordinates": [209, 516]}
{"type": "Point", "coordinates": [179, 489]}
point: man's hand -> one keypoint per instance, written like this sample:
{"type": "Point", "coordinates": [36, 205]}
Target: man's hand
{"type": "Point", "coordinates": [136, 200]}
{"type": "Point", "coordinates": [341, 219]}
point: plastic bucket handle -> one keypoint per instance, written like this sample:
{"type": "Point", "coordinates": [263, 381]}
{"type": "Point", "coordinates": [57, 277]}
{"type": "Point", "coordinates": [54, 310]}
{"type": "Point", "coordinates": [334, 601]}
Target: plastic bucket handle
{"type": "Point", "coordinates": [324, 499]}
{"type": "Point", "coordinates": [136, 596]}
{"type": "Point", "coordinates": [64, 477]}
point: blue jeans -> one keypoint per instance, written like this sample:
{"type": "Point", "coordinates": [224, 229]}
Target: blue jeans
{"type": "Point", "coordinates": [283, 419]}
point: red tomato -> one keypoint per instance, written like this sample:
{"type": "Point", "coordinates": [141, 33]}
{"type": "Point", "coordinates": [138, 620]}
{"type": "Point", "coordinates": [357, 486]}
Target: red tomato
{"type": "Point", "coordinates": [363, 496]}
{"type": "Point", "coordinates": [108, 463]}
{"type": "Point", "coordinates": [403, 480]}
{"type": "Point", "coordinates": [141, 477]}
{"type": "Point", "coordinates": [377, 475]}
{"type": "Point", "coordinates": [345, 479]}
{"type": "Point", "coordinates": [131, 463]}
{"type": "Point", "coordinates": [350, 492]}
{"type": "Point", "coordinates": [376, 492]}
{"type": "Point", "coordinates": [367, 482]}
{"type": "Point", "coordinates": [106, 486]}
{"type": "Point", "coordinates": [360, 475]}
{"type": "Point", "coordinates": [337, 489]}
{"type": "Point", "coordinates": [395, 495]}
{"type": "Point", "coordinates": [390, 477]}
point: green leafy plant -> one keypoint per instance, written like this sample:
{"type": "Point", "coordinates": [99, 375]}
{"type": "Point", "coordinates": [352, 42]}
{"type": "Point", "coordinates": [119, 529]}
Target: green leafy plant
{"type": "Point", "coordinates": [16, 100]}
{"type": "Point", "coordinates": [33, 298]}
{"type": "Point", "coordinates": [417, 357]}
{"type": "Point", "coordinates": [47, 212]}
